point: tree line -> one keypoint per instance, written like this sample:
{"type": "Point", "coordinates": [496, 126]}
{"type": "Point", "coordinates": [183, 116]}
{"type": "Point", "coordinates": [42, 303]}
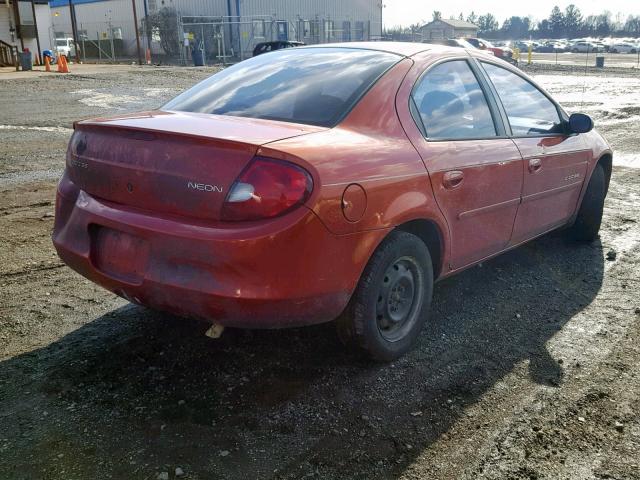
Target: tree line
{"type": "Point", "coordinates": [569, 23]}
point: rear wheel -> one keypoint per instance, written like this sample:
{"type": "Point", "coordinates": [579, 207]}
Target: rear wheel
{"type": "Point", "coordinates": [392, 300]}
{"type": "Point", "coordinates": [587, 224]}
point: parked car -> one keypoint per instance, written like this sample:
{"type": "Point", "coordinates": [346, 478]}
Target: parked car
{"type": "Point", "coordinates": [623, 48]}
{"type": "Point", "coordinates": [323, 183]}
{"type": "Point", "coordinates": [586, 47]}
{"type": "Point", "coordinates": [264, 47]}
{"type": "Point", "coordinates": [503, 53]}
{"type": "Point", "coordinates": [450, 42]}
{"type": "Point", "coordinates": [549, 47]}
{"type": "Point", "coordinates": [545, 47]}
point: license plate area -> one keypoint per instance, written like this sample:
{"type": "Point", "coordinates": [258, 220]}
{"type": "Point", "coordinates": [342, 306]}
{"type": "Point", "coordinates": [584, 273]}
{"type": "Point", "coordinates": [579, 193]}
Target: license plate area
{"type": "Point", "coordinates": [118, 254]}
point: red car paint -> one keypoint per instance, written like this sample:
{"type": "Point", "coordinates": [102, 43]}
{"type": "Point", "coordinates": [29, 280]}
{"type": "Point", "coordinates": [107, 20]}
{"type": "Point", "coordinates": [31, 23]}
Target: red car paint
{"type": "Point", "coordinates": [125, 220]}
{"type": "Point", "coordinates": [504, 53]}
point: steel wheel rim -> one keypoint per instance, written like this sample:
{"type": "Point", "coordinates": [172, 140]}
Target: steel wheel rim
{"type": "Point", "coordinates": [399, 299]}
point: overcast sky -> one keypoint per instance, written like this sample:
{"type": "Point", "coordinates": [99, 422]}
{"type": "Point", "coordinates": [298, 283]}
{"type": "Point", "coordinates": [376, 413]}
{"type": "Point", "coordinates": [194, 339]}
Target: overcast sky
{"type": "Point", "coordinates": [407, 12]}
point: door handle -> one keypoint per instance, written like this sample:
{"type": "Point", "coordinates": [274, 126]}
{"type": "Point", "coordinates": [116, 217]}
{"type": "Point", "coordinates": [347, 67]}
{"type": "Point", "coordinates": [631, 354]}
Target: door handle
{"type": "Point", "coordinates": [452, 179]}
{"type": "Point", "coordinates": [535, 164]}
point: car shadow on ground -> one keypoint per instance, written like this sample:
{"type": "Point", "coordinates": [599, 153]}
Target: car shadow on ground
{"type": "Point", "coordinates": [136, 392]}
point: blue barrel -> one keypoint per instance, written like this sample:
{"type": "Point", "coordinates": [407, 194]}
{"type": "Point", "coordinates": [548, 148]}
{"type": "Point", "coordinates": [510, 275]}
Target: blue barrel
{"type": "Point", "coordinates": [600, 62]}
{"type": "Point", "coordinates": [198, 57]}
{"type": "Point", "coordinates": [25, 61]}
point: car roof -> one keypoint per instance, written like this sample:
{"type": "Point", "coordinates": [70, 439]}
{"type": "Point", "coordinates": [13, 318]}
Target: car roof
{"type": "Point", "coordinates": [406, 49]}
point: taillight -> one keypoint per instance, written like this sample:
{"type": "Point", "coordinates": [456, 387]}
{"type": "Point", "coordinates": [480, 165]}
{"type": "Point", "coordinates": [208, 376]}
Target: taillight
{"type": "Point", "coordinates": [266, 189]}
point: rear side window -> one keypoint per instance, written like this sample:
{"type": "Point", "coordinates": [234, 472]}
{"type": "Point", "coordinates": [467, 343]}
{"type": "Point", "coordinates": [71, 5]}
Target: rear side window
{"type": "Point", "coordinates": [316, 86]}
{"type": "Point", "coordinates": [529, 111]}
{"type": "Point", "coordinates": [451, 103]}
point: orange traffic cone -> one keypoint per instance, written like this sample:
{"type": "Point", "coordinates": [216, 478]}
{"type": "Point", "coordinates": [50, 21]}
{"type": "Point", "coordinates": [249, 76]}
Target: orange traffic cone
{"type": "Point", "coordinates": [62, 64]}
{"type": "Point", "coordinates": [47, 64]}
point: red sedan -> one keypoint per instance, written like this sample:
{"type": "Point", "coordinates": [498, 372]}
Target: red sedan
{"type": "Point", "coordinates": [326, 182]}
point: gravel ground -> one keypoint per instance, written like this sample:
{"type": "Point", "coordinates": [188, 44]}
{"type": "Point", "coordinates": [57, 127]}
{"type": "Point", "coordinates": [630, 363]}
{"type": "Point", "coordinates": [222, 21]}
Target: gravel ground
{"type": "Point", "coordinates": [529, 368]}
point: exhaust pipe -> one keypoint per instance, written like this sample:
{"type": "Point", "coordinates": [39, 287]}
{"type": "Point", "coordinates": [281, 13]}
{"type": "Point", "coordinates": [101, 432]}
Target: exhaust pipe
{"type": "Point", "coordinates": [215, 331]}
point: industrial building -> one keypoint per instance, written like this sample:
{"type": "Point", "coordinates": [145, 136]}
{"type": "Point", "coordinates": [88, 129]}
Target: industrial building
{"type": "Point", "coordinates": [223, 29]}
{"type": "Point", "coordinates": [448, 28]}
{"type": "Point", "coordinates": [24, 27]}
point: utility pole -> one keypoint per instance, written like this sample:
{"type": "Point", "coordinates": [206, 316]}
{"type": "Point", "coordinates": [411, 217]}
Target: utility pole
{"type": "Point", "coordinates": [146, 24]}
{"type": "Point", "coordinates": [35, 25]}
{"type": "Point", "coordinates": [74, 30]}
{"type": "Point", "coordinates": [135, 25]}
{"type": "Point", "coordinates": [16, 13]}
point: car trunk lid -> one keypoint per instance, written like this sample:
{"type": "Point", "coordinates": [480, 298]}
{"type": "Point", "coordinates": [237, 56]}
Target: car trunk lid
{"type": "Point", "coordinates": [169, 162]}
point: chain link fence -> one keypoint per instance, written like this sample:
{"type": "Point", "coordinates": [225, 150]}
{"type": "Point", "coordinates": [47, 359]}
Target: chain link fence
{"type": "Point", "coordinates": [172, 38]}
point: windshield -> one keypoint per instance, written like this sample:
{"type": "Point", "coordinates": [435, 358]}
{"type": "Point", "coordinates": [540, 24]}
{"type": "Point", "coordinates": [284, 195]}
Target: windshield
{"type": "Point", "coordinates": [316, 86]}
{"type": "Point", "coordinates": [61, 43]}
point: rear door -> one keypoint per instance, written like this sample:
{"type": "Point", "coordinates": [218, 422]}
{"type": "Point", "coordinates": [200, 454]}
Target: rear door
{"type": "Point", "coordinates": [475, 170]}
{"type": "Point", "coordinates": [554, 162]}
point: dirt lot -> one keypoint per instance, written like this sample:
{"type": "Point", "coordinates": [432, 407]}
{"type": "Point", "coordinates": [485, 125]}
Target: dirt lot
{"type": "Point", "coordinates": [529, 369]}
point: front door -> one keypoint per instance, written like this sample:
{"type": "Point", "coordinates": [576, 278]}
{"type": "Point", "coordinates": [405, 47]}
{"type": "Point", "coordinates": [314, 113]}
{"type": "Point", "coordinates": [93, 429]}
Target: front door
{"type": "Point", "coordinates": [554, 163]}
{"type": "Point", "coordinates": [476, 177]}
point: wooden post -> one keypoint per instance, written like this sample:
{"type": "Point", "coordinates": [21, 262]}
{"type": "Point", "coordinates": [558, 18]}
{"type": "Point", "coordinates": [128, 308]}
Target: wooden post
{"type": "Point", "coordinates": [35, 25]}
{"type": "Point", "coordinates": [16, 14]}
{"type": "Point", "coordinates": [135, 25]}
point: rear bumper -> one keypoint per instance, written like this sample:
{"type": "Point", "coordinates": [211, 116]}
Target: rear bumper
{"type": "Point", "coordinates": [289, 271]}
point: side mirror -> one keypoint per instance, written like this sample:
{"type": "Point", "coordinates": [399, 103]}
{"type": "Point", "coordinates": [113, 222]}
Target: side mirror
{"type": "Point", "coordinates": [580, 123]}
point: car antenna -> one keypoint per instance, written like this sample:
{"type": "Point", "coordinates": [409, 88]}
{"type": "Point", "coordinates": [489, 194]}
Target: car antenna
{"type": "Point", "coordinates": [584, 81]}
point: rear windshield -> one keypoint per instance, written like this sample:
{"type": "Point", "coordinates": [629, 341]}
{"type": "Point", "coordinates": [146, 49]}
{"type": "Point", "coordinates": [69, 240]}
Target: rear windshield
{"type": "Point", "coordinates": [316, 86]}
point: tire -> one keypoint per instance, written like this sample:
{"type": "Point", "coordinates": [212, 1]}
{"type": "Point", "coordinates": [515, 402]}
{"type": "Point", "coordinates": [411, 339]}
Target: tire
{"type": "Point", "coordinates": [587, 224]}
{"type": "Point", "coordinates": [391, 302]}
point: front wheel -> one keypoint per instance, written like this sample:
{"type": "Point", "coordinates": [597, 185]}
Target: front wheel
{"type": "Point", "coordinates": [587, 224]}
{"type": "Point", "coordinates": [391, 302]}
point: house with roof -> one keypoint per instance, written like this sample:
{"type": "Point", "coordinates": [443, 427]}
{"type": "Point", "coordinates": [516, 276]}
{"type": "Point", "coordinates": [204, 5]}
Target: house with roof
{"type": "Point", "coordinates": [443, 29]}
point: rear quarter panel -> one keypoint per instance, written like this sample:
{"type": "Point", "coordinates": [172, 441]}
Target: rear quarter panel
{"type": "Point", "coordinates": [369, 148]}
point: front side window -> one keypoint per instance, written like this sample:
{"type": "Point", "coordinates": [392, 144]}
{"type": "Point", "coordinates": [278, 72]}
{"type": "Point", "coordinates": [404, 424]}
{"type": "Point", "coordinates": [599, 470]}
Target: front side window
{"type": "Point", "coordinates": [451, 103]}
{"type": "Point", "coordinates": [316, 86]}
{"type": "Point", "coordinates": [529, 111]}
